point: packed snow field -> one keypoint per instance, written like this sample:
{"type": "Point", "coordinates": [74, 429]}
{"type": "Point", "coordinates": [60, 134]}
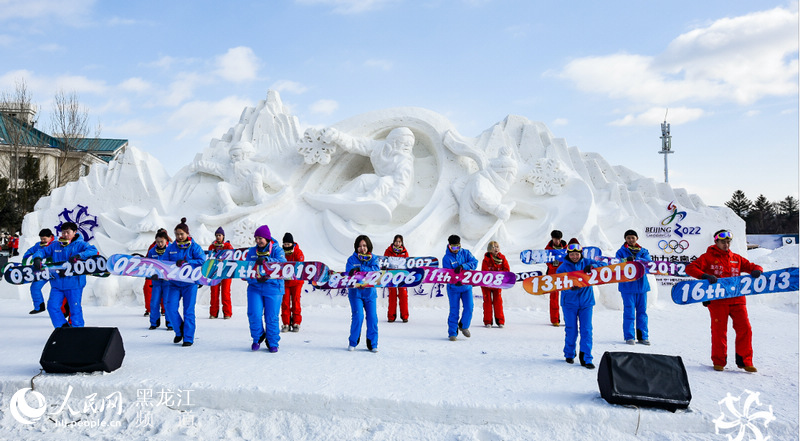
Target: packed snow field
{"type": "Point", "coordinates": [509, 383]}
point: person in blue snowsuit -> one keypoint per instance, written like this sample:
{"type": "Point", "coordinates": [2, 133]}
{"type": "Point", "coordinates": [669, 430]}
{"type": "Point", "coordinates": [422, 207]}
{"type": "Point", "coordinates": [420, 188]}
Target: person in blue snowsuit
{"type": "Point", "coordinates": [577, 305]}
{"type": "Point", "coordinates": [459, 296]}
{"type": "Point", "coordinates": [264, 296]}
{"type": "Point", "coordinates": [183, 251]}
{"type": "Point", "coordinates": [363, 301]}
{"type": "Point", "coordinates": [159, 287]}
{"type": "Point", "coordinates": [634, 293]}
{"type": "Point", "coordinates": [45, 239]}
{"type": "Point", "coordinates": [70, 247]}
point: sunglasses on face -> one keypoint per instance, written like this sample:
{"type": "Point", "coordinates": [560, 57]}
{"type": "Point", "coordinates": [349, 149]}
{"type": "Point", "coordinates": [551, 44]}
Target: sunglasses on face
{"type": "Point", "coordinates": [723, 235]}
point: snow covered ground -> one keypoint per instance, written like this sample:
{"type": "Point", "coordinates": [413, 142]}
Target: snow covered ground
{"type": "Point", "coordinates": [500, 384]}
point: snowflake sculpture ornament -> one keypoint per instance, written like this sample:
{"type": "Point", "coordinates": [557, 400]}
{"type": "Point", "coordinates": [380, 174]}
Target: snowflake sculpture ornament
{"type": "Point", "coordinates": [313, 149]}
{"type": "Point", "coordinates": [80, 216]}
{"type": "Point", "coordinates": [547, 177]}
{"type": "Point", "coordinates": [243, 232]}
{"type": "Point", "coordinates": [749, 420]}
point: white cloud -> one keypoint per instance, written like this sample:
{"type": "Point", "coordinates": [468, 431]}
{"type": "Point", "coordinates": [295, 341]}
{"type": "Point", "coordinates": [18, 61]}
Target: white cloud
{"type": "Point", "coordinates": [348, 6]}
{"type": "Point", "coordinates": [182, 88]}
{"type": "Point", "coordinates": [655, 116]}
{"type": "Point", "coordinates": [70, 12]}
{"type": "Point", "coordinates": [560, 122]}
{"type": "Point", "coordinates": [752, 113]}
{"type": "Point", "coordinates": [741, 60]}
{"type": "Point", "coordinates": [325, 107]}
{"type": "Point", "coordinates": [52, 47]}
{"type": "Point", "coordinates": [132, 127]}
{"type": "Point", "coordinates": [379, 64]}
{"type": "Point", "coordinates": [238, 64]}
{"type": "Point", "coordinates": [135, 84]}
{"type": "Point", "coordinates": [289, 86]}
{"type": "Point", "coordinates": [207, 119]}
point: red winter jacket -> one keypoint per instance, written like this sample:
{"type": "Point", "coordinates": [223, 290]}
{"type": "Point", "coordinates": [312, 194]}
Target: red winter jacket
{"type": "Point", "coordinates": [296, 255]}
{"type": "Point", "coordinates": [552, 267]}
{"type": "Point", "coordinates": [490, 265]}
{"type": "Point", "coordinates": [216, 246]}
{"type": "Point", "coordinates": [390, 252]}
{"type": "Point", "coordinates": [722, 264]}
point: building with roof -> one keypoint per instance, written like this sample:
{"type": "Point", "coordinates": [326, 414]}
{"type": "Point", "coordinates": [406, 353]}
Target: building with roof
{"type": "Point", "coordinates": [60, 159]}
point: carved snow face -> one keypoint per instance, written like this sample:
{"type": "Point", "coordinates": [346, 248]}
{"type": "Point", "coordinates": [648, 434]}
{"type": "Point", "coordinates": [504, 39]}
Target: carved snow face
{"type": "Point", "coordinates": [401, 139]}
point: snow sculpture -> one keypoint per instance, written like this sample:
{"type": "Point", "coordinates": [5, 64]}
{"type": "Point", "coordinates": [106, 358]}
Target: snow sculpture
{"type": "Point", "coordinates": [313, 149]}
{"type": "Point", "coordinates": [369, 197]}
{"type": "Point", "coordinates": [243, 179]}
{"type": "Point", "coordinates": [546, 177]}
{"type": "Point", "coordinates": [403, 170]}
{"type": "Point", "coordinates": [481, 207]}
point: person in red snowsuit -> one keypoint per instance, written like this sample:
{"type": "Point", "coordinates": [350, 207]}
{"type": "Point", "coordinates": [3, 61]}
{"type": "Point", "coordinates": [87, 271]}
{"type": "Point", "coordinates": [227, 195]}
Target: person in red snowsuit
{"type": "Point", "coordinates": [719, 261]}
{"type": "Point", "coordinates": [223, 287]}
{"type": "Point", "coordinates": [397, 249]}
{"type": "Point", "coordinates": [493, 260]}
{"type": "Point", "coordinates": [552, 267]}
{"type": "Point", "coordinates": [291, 312]}
{"type": "Point", "coordinates": [15, 245]}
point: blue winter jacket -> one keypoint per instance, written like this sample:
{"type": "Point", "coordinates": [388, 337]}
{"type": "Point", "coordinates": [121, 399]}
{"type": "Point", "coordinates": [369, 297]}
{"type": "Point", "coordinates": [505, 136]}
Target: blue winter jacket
{"type": "Point", "coordinates": [32, 250]}
{"type": "Point", "coordinates": [635, 286]}
{"type": "Point", "coordinates": [369, 265]}
{"type": "Point", "coordinates": [463, 258]}
{"type": "Point", "coordinates": [192, 254]}
{"type": "Point", "coordinates": [153, 254]}
{"type": "Point", "coordinates": [576, 298]}
{"type": "Point", "coordinates": [276, 254]}
{"type": "Point", "coordinates": [59, 253]}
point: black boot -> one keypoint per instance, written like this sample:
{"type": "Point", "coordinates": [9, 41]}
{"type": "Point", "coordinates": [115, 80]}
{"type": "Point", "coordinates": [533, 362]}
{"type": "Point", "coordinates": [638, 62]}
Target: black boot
{"type": "Point", "coordinates": [41, 309]}
{"type": "Point", "coordinates": [580, 357]}
{"type": "Point", "coordinates": [369, 345]}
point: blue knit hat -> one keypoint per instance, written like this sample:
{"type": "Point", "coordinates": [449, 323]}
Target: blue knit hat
{"type": "Point", "coordinates": [220, 231]}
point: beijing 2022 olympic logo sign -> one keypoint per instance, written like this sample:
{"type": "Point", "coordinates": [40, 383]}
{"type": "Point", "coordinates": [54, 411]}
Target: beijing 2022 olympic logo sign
{"type": "Point", "coordinates": [671, 225]}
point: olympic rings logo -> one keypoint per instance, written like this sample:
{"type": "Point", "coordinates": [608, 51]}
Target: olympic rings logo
{"type": "Point", "coordinates": [673, 246]}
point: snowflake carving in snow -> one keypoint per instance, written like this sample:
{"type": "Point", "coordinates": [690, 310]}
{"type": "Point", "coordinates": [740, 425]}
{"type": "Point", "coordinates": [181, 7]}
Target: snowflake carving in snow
{"type": "Point", "coordinates": [314, 149]}
{"type": "Point", "coordinates": [749, 420]}
{"type": "Point", "coordinates": [243, 232]}
{"type": "Point", "coordinates": [546, 177]}
{"type": "Point", "coordinates": [80, 216]}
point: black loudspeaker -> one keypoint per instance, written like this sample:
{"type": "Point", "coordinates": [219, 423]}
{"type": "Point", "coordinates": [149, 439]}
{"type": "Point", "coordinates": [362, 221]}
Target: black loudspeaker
{"type": "Point", "coordinates": [71, 350]}
{"type": "Point", "coordinates": [651, 380]}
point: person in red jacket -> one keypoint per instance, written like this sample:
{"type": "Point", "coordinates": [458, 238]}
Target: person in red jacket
{"type": "Point", "coordinates": [290, 307]}
{"type": "Point", "coordinates": [397, 249]}
{"type": "Point", "coordinates": [719, 261]}
{"type": "Point", "coordinates": [14, 245]}
{"type": "Point", "coordinates": [552, 267]}
{"type": "Point", "coordinates": [223, 287]}
{"type": "Point", "coordinates": [493, 260]}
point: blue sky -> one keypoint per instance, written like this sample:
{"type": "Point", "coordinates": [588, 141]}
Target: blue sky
{"type": "Point", "coordinates": [170, 75]}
